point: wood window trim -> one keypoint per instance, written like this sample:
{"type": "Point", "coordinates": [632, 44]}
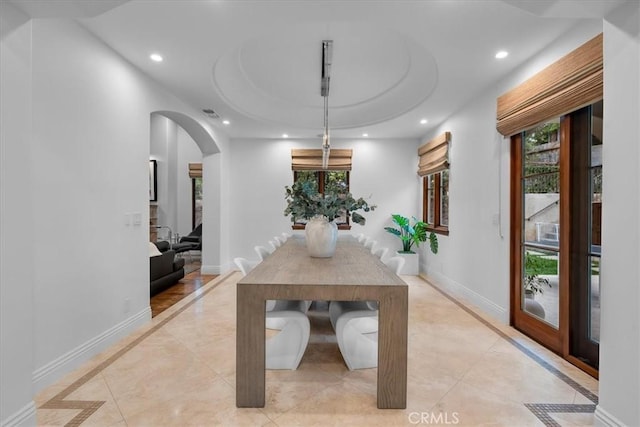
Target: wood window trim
{"type": "Point", "coordinates": [437, 227]}
{"type": "Point", "coordinates": [299, 226]}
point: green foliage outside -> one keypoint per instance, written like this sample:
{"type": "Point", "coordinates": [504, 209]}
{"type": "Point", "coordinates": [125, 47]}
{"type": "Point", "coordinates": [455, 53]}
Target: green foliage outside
{"type": "Point", "coordinates": [536, 264]}
{"type": "Point", "coordinates": [542, 167]}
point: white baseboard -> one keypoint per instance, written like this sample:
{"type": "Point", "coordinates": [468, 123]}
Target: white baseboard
{"type": "Point", "coordinates": [465, 294]}
{"type": "Point", "coordinates": [210, 269]}
{"type": "Point", "coordinates": [56, 369]}
{"type": "Point", "coordinates": [24, 417]}
{"type": "Point", "coordinates": [603, 418]}
{"type": "Point", "coordinates": [215, 269]}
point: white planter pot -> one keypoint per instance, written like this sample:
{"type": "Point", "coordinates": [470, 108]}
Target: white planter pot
{"type": "Point", "coordinates": [411, 265]}
{"type": "Point", "coordinates": [322, 237]}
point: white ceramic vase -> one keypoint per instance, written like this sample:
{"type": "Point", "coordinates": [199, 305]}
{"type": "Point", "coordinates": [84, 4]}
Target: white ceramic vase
{"type": "Point", "coordinates": [322, 236]}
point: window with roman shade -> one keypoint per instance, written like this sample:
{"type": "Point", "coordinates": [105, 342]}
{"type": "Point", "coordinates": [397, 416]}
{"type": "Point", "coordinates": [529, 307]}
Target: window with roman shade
{"type": "Point", "coordinates": [307, 165]}
{"type": "Point", "coordinates": [303, 159]}
{"type": "Point", "coordinates": [195, 170]}
{"type": "Point", "coordinates": [568, 84]}
{"type": "Point", "coordinates": [195, 173]}
{"type": "Point", "coordinates": [433, 167]}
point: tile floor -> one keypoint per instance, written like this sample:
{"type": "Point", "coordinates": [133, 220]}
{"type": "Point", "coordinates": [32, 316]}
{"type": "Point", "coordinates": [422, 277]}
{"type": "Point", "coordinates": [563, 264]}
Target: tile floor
{"type": "Point", "coordinates": [463, 369]}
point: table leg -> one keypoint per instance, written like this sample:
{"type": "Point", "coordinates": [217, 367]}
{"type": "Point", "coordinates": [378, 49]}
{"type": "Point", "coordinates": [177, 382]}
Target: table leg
{"type": "Point", "coordinates": [392, 349]}
{"type": "Point", "coordinates": [250, 348]}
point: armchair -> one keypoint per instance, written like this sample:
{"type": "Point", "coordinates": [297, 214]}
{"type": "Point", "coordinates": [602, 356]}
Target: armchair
{"type": "Point", "coordinates": [190, 242]}
{"type": "Point", "coordinates": [195, 237]}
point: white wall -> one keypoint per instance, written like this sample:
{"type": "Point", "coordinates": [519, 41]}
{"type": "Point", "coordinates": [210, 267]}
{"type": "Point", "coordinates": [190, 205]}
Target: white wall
{"type": "Point", "coordinates": [75, 272]}
{"type": "Point", "coordinates": [620, 274]}
{"type": "Point", "coordinates": [188, 152]}
{"type": "Point", "coordinates": [473, 260]}
{"type": "Point", "coordinates": [16, 220]}
{"type": "Point", "coordinates": [385, 170]}
{"type": "Point", "coordinates": [163, 148]}
{"type": "Point", "coordinates": [212, 225]}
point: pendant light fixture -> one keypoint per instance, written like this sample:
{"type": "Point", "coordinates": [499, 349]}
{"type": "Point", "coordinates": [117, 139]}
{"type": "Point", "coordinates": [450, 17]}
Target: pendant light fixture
{"type": "Point", "coordinates": [327, 47]}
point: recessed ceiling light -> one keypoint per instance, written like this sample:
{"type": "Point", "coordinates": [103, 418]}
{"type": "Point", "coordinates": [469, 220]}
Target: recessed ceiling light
{"type": "Point", "coordinates": [365, 135]}
{"type": "Point", "coordinates": [502, 54]}
{"type": "Point", "coordinates": [284, 135]}
{"type": "Point", "coordinates": [156, 57]}
{"type": "Point", "coordinates": [226, 122]}
{"type": "Point", "coordinates": [424, 121]}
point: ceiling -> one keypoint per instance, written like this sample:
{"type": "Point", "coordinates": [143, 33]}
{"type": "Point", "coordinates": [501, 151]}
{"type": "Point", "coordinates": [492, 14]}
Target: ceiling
{"type": "Point", "coordinates": [257, 63]}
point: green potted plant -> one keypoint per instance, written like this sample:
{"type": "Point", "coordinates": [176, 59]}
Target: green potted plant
{"type": "Point", "coordinates": [320, 210]}
{"type": "Point", "coordinates": [411, 234]}
{"type": "Point", "coordinates": [533, 284]}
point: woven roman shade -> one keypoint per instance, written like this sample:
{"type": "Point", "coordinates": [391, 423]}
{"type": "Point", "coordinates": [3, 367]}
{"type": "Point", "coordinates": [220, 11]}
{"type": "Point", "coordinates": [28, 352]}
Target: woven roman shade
{"type": "Point", "coordinates": [434, 155]}
{"type": "Point", "coordinates": [195, 170]}
{"type": "Point", "coordinates": [568, 84]}
{"type": "Point", "coordinates": [311, 159]}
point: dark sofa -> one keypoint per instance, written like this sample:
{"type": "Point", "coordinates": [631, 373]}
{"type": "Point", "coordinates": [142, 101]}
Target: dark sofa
{"type": "Point", "coordinates": [165, 269]}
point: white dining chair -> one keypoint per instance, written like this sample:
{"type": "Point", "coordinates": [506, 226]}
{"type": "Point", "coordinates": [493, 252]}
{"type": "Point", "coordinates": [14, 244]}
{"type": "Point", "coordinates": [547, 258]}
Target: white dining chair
{"type": "Point", "coordinates": [285, 237]}
{"type": "Point", "coordinates": [395, 264]}
{"type": "Point", "coordinates": [356, 326]}
{"type": "Point", "coordinates": [262, 252]}
{"type": "Point", "coordinates": [359, 350]}
{"type": "Point", "coordinates": [370, 243]}
{"type": "Point", "coordinates": [284, 350]}
{"type": "Point", "coordinates": [380, 252]}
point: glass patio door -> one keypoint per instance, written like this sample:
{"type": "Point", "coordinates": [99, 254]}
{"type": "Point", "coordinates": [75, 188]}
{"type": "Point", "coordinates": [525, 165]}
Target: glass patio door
{"type": "Point", "coordinates": [555, 237]}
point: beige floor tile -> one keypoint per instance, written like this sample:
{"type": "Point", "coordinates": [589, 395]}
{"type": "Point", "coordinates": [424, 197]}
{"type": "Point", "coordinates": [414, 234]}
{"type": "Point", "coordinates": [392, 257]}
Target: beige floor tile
{"type": "Point", "coordinates": [570, 420]}
{"type": "Point", "coordinates": [519, 379]}
{"type": "Point", "coordinates": [472, 406]}
{"type": "Point", "coordinates": [287, 389]}
{"type": "Point", "coordinates": [97, 389]}
{"type": "Point", "coordinates": [157, 370]}
{"type": "Point", "coordinates": [341, 405]}
{"type": "Point", "coordinates": [207, 406]}
{"type": "Point", "coordinates": [55, 417]}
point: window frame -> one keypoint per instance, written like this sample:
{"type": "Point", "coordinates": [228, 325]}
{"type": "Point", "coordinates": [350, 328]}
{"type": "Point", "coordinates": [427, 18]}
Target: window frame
{"type": "Point", "coordinates": [193, 202]}
{"type": "Point", "coordinates": [437, 226]}
{"type": "Point", "coordinates": [321, 180]}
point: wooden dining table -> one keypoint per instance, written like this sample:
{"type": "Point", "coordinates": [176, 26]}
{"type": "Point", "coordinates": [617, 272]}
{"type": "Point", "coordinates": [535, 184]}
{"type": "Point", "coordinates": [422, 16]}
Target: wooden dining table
{"type": "Point", "coordinates": [351, 274]}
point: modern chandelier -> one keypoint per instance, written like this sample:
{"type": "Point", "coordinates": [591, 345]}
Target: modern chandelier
{"type": "Point", "coordinates": [327, 47]}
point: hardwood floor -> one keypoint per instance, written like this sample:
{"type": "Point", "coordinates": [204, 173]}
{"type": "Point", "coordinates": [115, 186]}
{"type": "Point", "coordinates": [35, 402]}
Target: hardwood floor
{"type": "Point", "coordinates": [187, 285]}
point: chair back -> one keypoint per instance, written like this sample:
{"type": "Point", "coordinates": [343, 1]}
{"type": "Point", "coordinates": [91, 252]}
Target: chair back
{"type": "Point", "coordinates": [262, 252]}
{"type": "Point", "coordinates": [370, 243]}
{"type": "Point", "coordinates": [395, 263]}
{"type": "Point", "coordinates": [285, 237]}
{"type": "Point", "coordinates": [380, 252]}
{"type": "Point", "coordinates": [245, 265]}
{"type": "Point", "coordinates": [197, 231]}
